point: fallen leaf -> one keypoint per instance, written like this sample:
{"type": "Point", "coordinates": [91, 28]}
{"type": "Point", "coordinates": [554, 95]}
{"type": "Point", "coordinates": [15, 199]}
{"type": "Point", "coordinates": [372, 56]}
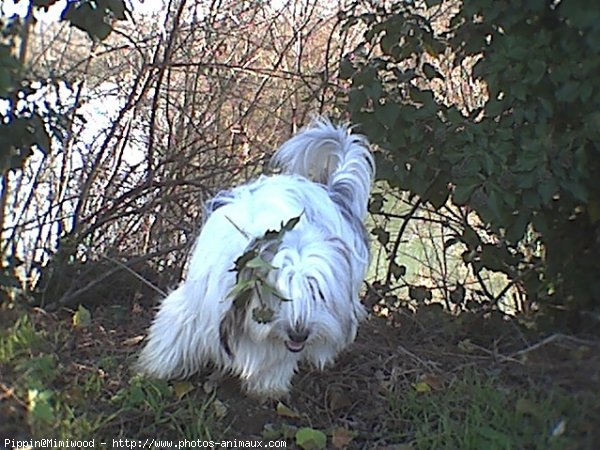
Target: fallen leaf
{"type": "Point", "coordinates": [82, 317]}
{"type": "Point", "coordinates": [433, 381]}
{"type": "Point", "coordinates": [284, 411]}
{"type": "Point", "coordinates": [341, 438]}
{"type": "Point", "coordinates": [310, 439]}
{"type": "Point", "coordinates": [421, 387]}
{"type": "Point", "coordinates": [182, 387]}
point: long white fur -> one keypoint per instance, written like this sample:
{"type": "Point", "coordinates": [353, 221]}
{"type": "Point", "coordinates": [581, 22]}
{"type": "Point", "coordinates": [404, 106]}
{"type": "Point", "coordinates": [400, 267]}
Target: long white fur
{"type": "Point", "coordinates": [320, 265]}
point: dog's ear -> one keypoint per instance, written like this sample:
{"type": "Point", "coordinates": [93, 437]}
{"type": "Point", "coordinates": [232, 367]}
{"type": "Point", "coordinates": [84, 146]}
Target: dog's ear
{"type": "Point", "coordinates": [229, 327]}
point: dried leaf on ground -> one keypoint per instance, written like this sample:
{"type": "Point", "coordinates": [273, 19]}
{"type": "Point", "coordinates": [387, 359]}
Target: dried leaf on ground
{"type": "Point", "coordinates": [82, 318]}
{"type": "Point", "coordinates": [182, 387]}
{"type": "Point", "coordinates": [285, 411]}
{"type": "Point", "coordinates": [341, 438]}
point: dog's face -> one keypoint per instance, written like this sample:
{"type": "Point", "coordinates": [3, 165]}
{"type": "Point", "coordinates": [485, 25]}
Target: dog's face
{"type": "Point", "coordinates": [317, 309]}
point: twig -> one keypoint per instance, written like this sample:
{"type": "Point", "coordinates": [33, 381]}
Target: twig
{"type": "Point", "coordinates": [552, 338]}
{"type": "Point", "coordinates": [137, 275]}
{"type": "Point", "coordinates": [9, 392]}
{"type": "Point", "coordinates": [168, 49]}
{"type": "Point", "coordinates": [394, 251]}
{"type": "Point", "coordinates": [494, 353]}
{"type": "Point", "coordinates": [429, 364]}
{"type": "Point", "coordinates": [244, 233]}
{"type": "Point", "coordinates": [482, 284]}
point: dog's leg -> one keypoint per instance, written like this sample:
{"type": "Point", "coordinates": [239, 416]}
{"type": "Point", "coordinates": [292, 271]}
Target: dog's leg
{"type": "Point", "coordinates": [273, 381]}
{"type": "Point", "coordinates": [172, 350]}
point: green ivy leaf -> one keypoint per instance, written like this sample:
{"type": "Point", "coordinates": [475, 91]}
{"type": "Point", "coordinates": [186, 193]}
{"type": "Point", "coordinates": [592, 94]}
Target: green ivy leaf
{"type": "Point", "coordinates": [244, 258]}
{"type": "Point", "coordinates": [94, 17]}
{"type": "Point", "coordinates": [568, 91]}
{"type": "Point", "coordinates": [376, 203]}
{"type": "Point", "coordinates": [383, 236]}
{"type": "Point", "coordinates": [462, 193]}
{"type": "Point", "coordinates": [387, 114]}
{"type": "Point", "coordinates": [431, 3]}
{"type": "Point", "coordinates": [311, 439]}
{"type": "Point", "coordinates": [397, 270]}
{"type": "Point", "coordinates": [431, 72]}
{"type": "Point", "coordinates": [346, 69]}
{"type": "Point", "coordinates": [419, 293]}
{"type": "Point", "coordinates": [115, 7]}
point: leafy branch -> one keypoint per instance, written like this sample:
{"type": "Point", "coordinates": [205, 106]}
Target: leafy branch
{"type": "Point", "coordinates": [253, 268]}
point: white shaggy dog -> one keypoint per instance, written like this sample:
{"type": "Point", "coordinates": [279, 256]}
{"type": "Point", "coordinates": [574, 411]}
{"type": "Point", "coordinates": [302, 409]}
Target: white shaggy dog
{"type": "Point", "coordinates": [256, 303]}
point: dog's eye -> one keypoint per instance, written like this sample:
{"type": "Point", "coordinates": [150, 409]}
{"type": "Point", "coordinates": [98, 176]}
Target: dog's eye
{"type": "Point", "coordinates": [321, 296]}
{"type": "Point", "coordinates": [315, 290]}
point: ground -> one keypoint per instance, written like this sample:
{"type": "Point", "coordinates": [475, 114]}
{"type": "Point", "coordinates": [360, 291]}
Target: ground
{"type": "Point", "coordinates": [424, 380]}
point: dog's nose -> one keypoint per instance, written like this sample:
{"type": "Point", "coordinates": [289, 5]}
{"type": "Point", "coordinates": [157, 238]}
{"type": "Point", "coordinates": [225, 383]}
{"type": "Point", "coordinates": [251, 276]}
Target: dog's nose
{"type": "Point", "coordinates": [298, 335]}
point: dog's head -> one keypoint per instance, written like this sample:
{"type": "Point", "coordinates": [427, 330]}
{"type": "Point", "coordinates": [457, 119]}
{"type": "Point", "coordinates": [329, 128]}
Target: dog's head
{"type": "Point", "coordinates": [309, 298]}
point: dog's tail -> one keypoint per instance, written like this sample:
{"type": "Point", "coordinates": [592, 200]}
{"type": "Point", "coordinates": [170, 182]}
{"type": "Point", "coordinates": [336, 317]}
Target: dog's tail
{"type": "Point", "coordinates": [329, 154]}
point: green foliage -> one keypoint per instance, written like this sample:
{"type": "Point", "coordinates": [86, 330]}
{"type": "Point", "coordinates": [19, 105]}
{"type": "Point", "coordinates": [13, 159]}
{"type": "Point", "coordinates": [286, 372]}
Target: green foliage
{"type": "Point", "coordinates": [23, 124]}
{"type": "Point", "coordinates": [252, 270]}
{"type": "Point", "coordinates": [40, 406]}
{"type": "Point", "coordinates": [20, 350]}
{"type": "Point", "coordinates": [38, 371]}
{"type": "Point", "coordinates": [49, 391]}
{"type": "Point", "coordinates": [476, 412]}
{"type": "Point", "coordinates": [95, 16]}
{"type": "Point", "coordinates": [144, 393]}
{"type": "Point", "coordinates": [82, 318]}
{"type": "Point", "coordinates": [19, 340]}
{"type": "Point", "coordinates": [527, 161]}
{"type": "Point", "coordinates": [311, 439]}
{"type": "Point", "coordinates": [9, 282]}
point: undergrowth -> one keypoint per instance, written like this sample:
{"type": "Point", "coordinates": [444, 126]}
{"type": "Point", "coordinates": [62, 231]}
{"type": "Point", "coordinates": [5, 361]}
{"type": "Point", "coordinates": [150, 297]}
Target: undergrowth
{"type": "Point", "coordinates": [53, 387]}
{"type": "Point", "coordinates": [476, 411]}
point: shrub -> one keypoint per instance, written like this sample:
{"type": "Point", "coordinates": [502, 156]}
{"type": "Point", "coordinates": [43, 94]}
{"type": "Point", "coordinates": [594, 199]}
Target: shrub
{"type": "Point", "coordinates": [525, 155]}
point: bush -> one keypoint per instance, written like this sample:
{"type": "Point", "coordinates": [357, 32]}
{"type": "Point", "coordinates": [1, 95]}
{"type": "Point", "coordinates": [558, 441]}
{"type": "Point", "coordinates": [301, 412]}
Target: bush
{"type": "Point", "coordinates": [525, 156]}
{"type": "Point", "coordinates": [27, 119]}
